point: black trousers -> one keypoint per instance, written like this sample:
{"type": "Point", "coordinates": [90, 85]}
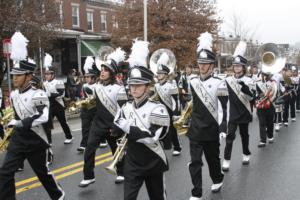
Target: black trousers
{"type": "Point", "coordinates": [38, 161]}
{"type": "Point", "coordinates": [58, 111]}
{"type": "Point", "coordinates": [211, 152]}
{"type": "Point", "coordinates": [154, 184]}
{"type": "Point", "coordinates": [293, 105]}
{"type": "Point", "coordinates": [86, 123]}
{"type": "Point", "coordinates": [90, 152]}
{"type": "Point", "coordinates": [298, 101]}
{"type": "Point", "coordinates": [266, 125]}
{"type": "Point", "coordinates": [174, 136]}
{"type": "Point", "coordinates": [278, 117]}
{"type": "Point", "coordinates": [244, 132]}
{"type": "Point", "coordinates": [1, 131]}
{"type": "Point", "coordinates": [289, 105]}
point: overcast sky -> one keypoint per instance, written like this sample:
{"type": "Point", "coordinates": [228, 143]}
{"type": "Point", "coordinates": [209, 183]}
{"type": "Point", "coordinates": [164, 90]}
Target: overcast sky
{"type": "Point", "coordinates": [274, 20]}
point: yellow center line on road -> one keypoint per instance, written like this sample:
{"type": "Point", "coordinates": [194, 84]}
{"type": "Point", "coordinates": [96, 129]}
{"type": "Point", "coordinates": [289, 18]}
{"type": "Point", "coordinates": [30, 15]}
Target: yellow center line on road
{"type": "Point", "coordinates": [61, 176]}
{"type": "Point", "coordinates": [29, 180]}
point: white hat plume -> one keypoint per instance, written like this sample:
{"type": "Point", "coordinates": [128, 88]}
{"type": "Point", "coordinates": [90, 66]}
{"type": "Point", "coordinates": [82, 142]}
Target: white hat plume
{"type": "Point", "coordinates": [163, 59]}
{"type": "Point", "coordinates": [205, 41]}
{"type": "Point", "coordinates": [18, 47]}
{"type": "Point", "coordinates": [48, 61]}
{"type": "Point", "coordinates": [240, 49]}
{"type": "Point", "coordinates": [89, 61]}
{"type": "Point", "coordinates": [139, 53]}
{"type": "Point", "coordinates": [118, 55]}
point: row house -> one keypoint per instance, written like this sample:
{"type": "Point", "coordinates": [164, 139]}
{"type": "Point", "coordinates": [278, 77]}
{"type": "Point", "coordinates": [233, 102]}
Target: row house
{"type": "Point", "coordinates": [87, 25]}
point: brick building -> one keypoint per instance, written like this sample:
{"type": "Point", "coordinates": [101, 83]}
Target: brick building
{"type": "Point", "coordinates": [87, 25]}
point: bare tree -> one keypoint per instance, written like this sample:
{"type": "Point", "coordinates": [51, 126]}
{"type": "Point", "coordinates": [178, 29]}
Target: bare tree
{"type": "Point", "coordinates": [239, 27]}
{"type": "Point", "coordinates": [171, 24]}
{"type": "Point", "coordinates": [38, 20]}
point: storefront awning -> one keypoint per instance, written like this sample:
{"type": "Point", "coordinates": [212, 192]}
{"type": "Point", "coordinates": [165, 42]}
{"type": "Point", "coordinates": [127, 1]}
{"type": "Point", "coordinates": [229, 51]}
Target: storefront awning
{"type": "Point", "coordinates": [91, 47]}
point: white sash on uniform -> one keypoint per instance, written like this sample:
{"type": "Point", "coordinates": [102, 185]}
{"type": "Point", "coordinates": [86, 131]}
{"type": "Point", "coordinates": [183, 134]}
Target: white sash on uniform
{"type": "Point", "coordinates": [106, 101]}
{"type": "Point", "coordinates": [167, 99]}
{"type": "Point", "coordinates": [236, 87]}
{"type": "Point", "coordinates": [206, 98]}
{"type": "Point", "coordinates": [262, 86]}
{"type": "Point", "coordinates": [155, 147]}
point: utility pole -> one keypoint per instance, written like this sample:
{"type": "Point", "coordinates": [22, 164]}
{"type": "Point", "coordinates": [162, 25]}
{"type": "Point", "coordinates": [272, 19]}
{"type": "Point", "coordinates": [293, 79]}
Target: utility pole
{"type": "Point", "coordinates": [145, 20]}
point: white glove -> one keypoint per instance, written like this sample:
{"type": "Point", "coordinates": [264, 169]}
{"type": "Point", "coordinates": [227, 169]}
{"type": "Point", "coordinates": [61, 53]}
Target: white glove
{"type": "Point", "coordinates": [123, 124]}
{"type": "Point", "coordinates": [222, 135]}
{"type": "Point", "coordinates": [16, 123]}
{"type": "Point", "coordinates": [48, 93]}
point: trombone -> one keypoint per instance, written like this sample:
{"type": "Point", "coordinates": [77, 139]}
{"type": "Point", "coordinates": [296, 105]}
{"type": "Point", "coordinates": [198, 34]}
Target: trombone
{"type": "Point", "coordinates": [118, 155]}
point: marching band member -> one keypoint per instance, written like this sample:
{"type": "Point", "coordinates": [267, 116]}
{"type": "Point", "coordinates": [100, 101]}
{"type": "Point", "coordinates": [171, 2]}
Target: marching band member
{"type": "Point", "coordinates": [279, 101]}
{"type": "Point", "coordinates": [109, 97]}
{"type": "Point", "coordinates": [145, 122]}
{"type": "Point", "coordinates": [295, 81]}
{"type": "Point", "coordinates": [168, 95]}
{"type": "Point", "coordinates": [240, 95]}
{"type": "Point", "coordinates": [55, 90]}
{"type": "Point", "coordinates": [184, 85]}
{"type": "Point", "coordinates": [28, 140]}
{"type": "Point", "coordinates": [255, 75]}
{"type": "Point", "coordinates": [267, 92]}
{"type": "Point", "coordinates": [37, 84]}
{"type": "Point", "coordinates": [88, 110]}
{"type": "Point", "coordinates": [289, 93]}
{"type": "Point", "coordinates": [207, 92]}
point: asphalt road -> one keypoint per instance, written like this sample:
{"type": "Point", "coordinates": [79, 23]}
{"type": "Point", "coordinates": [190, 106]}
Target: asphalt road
{"type": "Point", "coordinates": [273, 173]}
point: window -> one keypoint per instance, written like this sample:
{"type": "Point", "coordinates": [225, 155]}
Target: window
{"type": "Point", "coordinates": [75, 15]}
{"type": "Point", "coordinates": [103, 22]}
{"type": "Point", "coordinates": [90, 20]}
{"type": "Point", "coordinates": [115, 22]}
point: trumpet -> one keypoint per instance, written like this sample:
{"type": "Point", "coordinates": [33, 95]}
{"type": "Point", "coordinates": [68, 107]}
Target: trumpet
{"type": "Point", "coordinates": [118, 155]}
{"type": "Point", "coordinates": [186, 113]}
{"type": "Point", "coordinates": [86, 103]}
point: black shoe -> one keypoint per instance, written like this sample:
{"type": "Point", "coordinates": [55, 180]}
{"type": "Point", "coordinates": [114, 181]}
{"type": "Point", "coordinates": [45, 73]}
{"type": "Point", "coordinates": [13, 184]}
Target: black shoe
{"type": "Point", "coordinates": [50, 159]}
{"type": "Point", "coordinates": [68, 140]}
{"type": "Point", "coordinates": [85, 183]}
{"type": "Point", "coordinates": [261, 144]}
{"type": "Point", "coordinates": [216, 187]}
{"type": "Point", "coordinates": [176, 153]}
{"type": "Point", "coordinates": [103, 145]}
{"type": "Point", "coordinates": [20, 169]}
{"type": "Point", "coordinates": [80, 149]}
{"type": "Point", "coordinates": [271, 140]}
{"type": "Point", "coordinates": [119, 179]}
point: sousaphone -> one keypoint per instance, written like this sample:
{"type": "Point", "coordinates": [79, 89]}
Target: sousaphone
{"type": "Point", "coordinates": [156, 55]}
{"type": "Point", "coordinates": [270, 58]}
